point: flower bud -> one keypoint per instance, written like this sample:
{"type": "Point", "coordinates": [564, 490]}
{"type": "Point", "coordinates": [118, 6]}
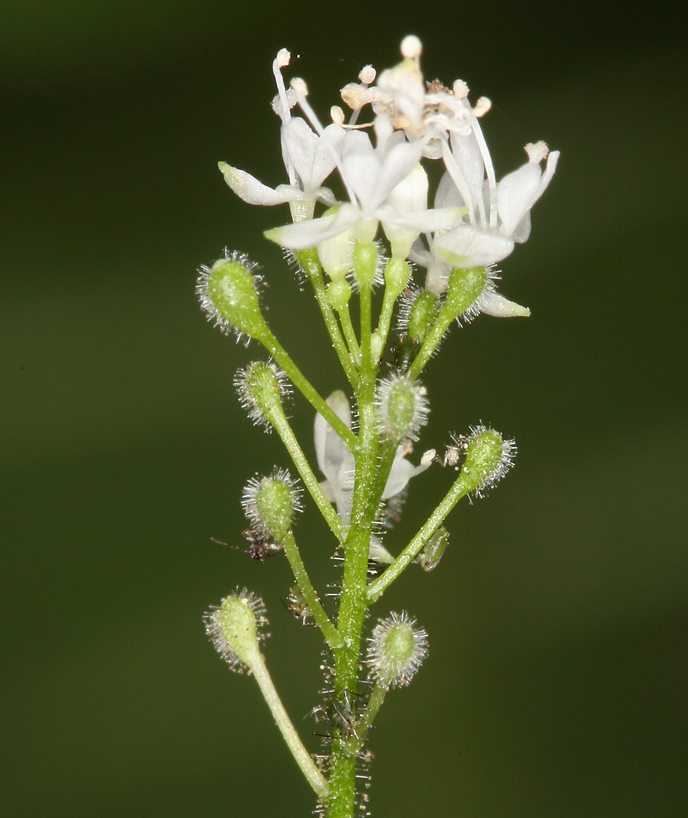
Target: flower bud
{"type": "Point", "coordinates": [402, 408]}
{"type": "Point", "coordinates": [421, 316]}
{"type": "Point", "coordinates": [261, 387]}
{"type": "Point", "coordinates": [465, 287]}
{"type": "Point", "coordinates": [488, 458]}
{"type": "Point", "coordinates": [396, 650]}
{"type": "Point", "coordinates": [434, 549]}
{"type": "Point", "coordinates": [397, 274]}
{"type": "Point", "coordinates": [365, 263]}
{"type": "Point", "coordinates": [229, 296]}
{"type": "Point", "coordinates": [270, 503]}
{"type": "Point", "coordinates": [234, 629]}
{"type": "Point", "coordinates": [336, 254]}
{"type": "Point", "coordinates": [339, 293]}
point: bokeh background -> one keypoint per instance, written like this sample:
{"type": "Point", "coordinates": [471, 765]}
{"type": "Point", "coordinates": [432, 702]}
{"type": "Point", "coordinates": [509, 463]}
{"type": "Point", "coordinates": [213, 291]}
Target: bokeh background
{"type": "Point", "coordinates": [557, 678]}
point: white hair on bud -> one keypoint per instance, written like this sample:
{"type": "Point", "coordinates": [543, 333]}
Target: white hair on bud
{"type": "Point", "coordinates": [390, 666]}
{"type": "Point", "coordinates": [216, 632]}
{"type": "Point", "coordinates": [248, 403]}
{"type": "Point", "coordinates": [250, 496]}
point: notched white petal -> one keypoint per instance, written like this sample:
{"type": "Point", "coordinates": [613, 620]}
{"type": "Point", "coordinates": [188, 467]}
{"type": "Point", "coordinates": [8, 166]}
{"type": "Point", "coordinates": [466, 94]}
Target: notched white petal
{"type": "Point", "coordinates": [250, 190]}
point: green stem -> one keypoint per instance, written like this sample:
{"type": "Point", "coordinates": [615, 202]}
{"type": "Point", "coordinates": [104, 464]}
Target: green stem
{"type": "Point", "coordinates": [349, 334]}
{"type": "Point", "coordinates": [353, 602]}
{"type": "Point", "coordinates": [313, 775]}
{"type": "Point", "coordinates": [380, 336]}
{"type": "Point", "coordinates": [279, 421]}
{"type": "Point", "coordinates": [331, 634]}
{"type": "Point", "coordinates": [366, 326]}
{"type": "Point", "coordinates": [430, 344]}
{"type": "Point", "coordinates": [304, 386]}
{"type": "Point", "coordinates": [377, 697]}
{"type": "Point", "coordinates": [462, 486]}
{"type": "Point", "coordinates": [308, 259]}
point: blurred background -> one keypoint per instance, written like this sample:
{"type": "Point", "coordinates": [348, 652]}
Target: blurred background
{"type": "Point", "coordinates": [558, 620]}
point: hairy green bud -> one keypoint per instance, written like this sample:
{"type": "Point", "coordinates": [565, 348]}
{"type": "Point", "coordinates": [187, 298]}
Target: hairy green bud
{"type": "Point", "coordinates": [261, 388]}
{"type": "Point", "coordinates": [396, 650]}
{"type": "Point", "coordinates": [229, 296]}
{"type": "Point", "coordinates": [402, 408]}
{"type": "Point", "coordinates": [234, 629]}
{"type": "Point", "coordinates": [270, 503]}
{"type": "Point", "coordinates": [465, 287]}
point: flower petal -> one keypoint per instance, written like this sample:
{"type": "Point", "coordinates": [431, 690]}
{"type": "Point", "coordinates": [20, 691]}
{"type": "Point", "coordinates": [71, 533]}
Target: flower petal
{"type": "Point", "coordinates": [492, 303]}
{"type": "Point", "coordinates": [252, 191]}
{"type": "Point", "coordinates": [466, 246]}
{"type": "Point", "coordinates": [308, 234]}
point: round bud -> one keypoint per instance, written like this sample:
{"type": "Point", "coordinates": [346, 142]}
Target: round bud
{"type": "Point", "coordinates": [434, 549]}
{"type": "Point", "coordinates": [418, 311]}
{"type": "Point", "coordinates": [270, 503]}
{"type": "Point", "coordinates": [261, 387]}
{"type": "Point", "coordinates": [365, 263]}
{"type": "Point", "coordinates": [336, 254]}
{"type": "Point", "coordinates": [396, 650]}
{"type": "Point", "coordinates": [402, 408]}
{"type": "Point", "coordinates": [397, 274]}
{"type": "Point", "coordinates": [488, 458]}
{"type": "Point", "coordinates": [229, 296]}
{"type": "Point", "coordinates": [465, 287]}
{"type": "Point", "coordinates": [339, 293]}
{"type": "Point", "coordinates": [234, 628]}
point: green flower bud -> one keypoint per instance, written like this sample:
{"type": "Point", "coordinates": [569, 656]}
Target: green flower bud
{"type": "Point", "coordinates": [422, 314]}
{"type": "Point", "coordinates": [402, 408]}
{"type": "Point", "coordinates": [397, 274]}
{"type": "Point", "coordinates": [234, 629]}
{"type": "Point", "coordinates": [339, 293]}
{"type": "Point", "coordinates": [365, 263]}
{"type": "Point", "coordinates": [396, 650]}
{"type": "Point", "coordinates": [465, 287]}
{"type": "Point", "coordinates": [434, 549]}
{"type": "Point", "coordinates": [270, 503]}
{"type": "Point", "coordinates": [261, 388]}
{"type": "Point", "coordinates": [229, 296]}
{"type": "Point", "coordinates": [488, 457]}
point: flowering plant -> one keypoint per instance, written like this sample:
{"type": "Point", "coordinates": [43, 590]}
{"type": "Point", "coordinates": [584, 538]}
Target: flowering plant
{"type": "Point", "coordinates": [364, 450]}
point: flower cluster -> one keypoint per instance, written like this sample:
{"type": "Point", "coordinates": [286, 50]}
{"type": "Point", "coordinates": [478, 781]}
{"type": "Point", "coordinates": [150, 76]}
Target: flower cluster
{"type": "Point", "coordinates": [475, 220]}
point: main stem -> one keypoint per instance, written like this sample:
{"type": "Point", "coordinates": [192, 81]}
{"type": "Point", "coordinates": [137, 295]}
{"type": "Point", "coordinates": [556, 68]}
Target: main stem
{"type": "Point", "coordinates": [353, 602]}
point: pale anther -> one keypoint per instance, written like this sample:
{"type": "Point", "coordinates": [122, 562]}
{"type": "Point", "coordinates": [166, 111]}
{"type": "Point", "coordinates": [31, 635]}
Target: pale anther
{"type": "Point", "coordinates": [283, 57]}
{"type": "Point", "coordinates": [367, 75]}
{"type": "Point", "coordinates": [411, 47]}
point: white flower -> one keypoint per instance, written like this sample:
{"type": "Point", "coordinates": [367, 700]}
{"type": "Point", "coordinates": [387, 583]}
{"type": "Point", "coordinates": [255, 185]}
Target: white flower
{"type": "Point", "coordinates": [309, 159]}
{"type": "Point", "coordinates": [498, 214]}
{"type": "Point", "coordinates": [371, 175]}
{"type": "Point", "coordinates": [339, 466]}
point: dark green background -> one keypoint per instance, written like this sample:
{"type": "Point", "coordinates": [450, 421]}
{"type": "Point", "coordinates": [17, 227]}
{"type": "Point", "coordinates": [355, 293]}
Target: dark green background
{"type": "Point", "coordinates": [557, 677]}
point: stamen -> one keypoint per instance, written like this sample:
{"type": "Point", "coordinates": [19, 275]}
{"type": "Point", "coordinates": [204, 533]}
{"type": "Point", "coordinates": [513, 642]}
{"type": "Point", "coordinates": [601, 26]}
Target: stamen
{"type": "Point", "coordinates": [489, 168]}
{"type": "Point", "coordinates": [298, 86]}
{"type": "Point", "coordinates": [457, 177]}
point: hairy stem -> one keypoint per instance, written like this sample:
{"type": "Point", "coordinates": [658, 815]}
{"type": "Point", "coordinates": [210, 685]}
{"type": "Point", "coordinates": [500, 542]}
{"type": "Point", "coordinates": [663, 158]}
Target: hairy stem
{"type": "Point", "coordinates": [462, 486]}
{"type": "Point", "coordinates": [304, 386]}
{"type": "Point", "coordinates": [331, 634]}
{"type": "Point", "coordinates": [279, 421]}
{"type": "Point", "coordinates": [308, 259]}
{"type": "Point", "coordinates": [313, 775]}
